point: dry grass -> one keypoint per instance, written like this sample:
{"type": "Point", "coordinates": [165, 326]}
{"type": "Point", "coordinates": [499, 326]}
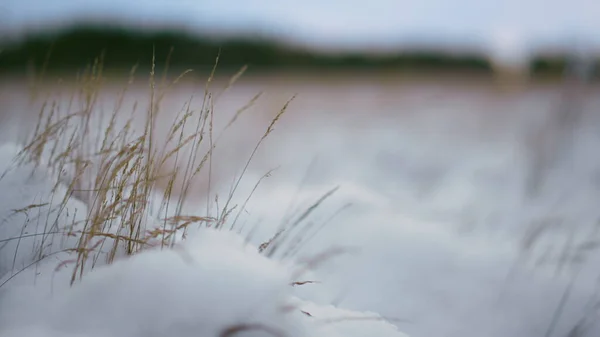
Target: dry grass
{"type": "Point", "coordinates": [554, 241]}
{"type": "Point", "coordinates": [135, 188]}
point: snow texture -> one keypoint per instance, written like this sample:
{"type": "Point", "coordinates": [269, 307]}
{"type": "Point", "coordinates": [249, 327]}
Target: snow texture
{"type": "Point", "coordinates": [211, 284]}
{"type": "Point", "coordinates": [33, 223]}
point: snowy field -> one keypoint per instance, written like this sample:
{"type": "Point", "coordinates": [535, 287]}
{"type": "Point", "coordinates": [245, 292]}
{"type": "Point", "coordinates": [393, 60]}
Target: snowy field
{"type": "Point", "coordinates": [439, 231]}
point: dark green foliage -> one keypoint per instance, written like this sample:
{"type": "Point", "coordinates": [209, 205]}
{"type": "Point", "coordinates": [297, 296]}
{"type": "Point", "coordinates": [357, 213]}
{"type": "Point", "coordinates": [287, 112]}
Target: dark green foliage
{"type": "Point", "coordinates": [554, 66]}
{"type": "Point", "coordinates": [121, 48]}
{"type": "Point", "coordinates": [79, 46]}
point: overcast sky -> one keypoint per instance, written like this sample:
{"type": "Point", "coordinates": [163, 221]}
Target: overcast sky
{"type": "Point", "coordinates": [503, 26]}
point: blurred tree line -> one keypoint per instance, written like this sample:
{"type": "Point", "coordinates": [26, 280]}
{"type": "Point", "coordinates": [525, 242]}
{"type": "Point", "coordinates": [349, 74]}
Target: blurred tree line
{"type": "Point", "coordinates": [122, 48]}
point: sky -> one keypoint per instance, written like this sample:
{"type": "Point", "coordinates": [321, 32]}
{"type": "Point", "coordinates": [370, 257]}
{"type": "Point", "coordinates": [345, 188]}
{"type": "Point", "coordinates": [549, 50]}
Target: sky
{"type": "Point", "coordinates": [506, 28]}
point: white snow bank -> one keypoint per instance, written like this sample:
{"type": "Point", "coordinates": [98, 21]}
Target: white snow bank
{"type": "Point", "coordinates": [405, 266]}
{"type": "Point", "coordinates": [31, 210]}
{"type": "Point", "coordinates": [212, 282]}
{"type": "Point", "coordinates": [335, 322]}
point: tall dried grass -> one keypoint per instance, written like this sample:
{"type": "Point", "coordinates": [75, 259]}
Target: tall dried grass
{"type": "Point", "coordinates": [116, 173]}
{"type": "Point", "coordinates": [135, 189]}
{"type": "Point", "coordinates": [554, 240]}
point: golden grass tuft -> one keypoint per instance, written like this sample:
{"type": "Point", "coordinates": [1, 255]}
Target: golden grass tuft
{"type": "Point", "coordinates": [122, 174]}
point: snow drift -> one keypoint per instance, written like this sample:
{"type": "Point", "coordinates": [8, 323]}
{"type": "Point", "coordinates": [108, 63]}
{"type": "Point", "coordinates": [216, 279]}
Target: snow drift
{"type": "Point", "coordinates": [212, 284]}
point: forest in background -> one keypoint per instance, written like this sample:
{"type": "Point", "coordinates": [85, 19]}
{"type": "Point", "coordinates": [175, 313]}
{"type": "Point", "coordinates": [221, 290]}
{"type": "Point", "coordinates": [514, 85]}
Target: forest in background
{"type": "Point", "coordinates": [79, 46]}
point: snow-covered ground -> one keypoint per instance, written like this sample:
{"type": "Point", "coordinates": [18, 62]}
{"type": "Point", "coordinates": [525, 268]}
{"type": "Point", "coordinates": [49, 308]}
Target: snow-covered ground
{"type": "Point", "coordinates": [214, 284]}
{"type": "Point", "coordinates": [433, 240]}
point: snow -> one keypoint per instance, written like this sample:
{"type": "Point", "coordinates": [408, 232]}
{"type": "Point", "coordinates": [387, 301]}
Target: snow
{"type": "Point", "coordinates": [334, 321]}
{"type": "Point", "coordinates": [450, 261]}
{"type": "Point", "coordinates": [166, 292]}
{"type": "Point", "coordinates": [211, 282]}
{"type": "Point", "coordinates": [28, 209]}
{"type": "Point", "coordinates": [435, 238]}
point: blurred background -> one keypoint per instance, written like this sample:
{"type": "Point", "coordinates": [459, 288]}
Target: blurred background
{"type": "Point", "coordinates": [483, 37]}
{"type": "Point", "coordinates": [461, 131]}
